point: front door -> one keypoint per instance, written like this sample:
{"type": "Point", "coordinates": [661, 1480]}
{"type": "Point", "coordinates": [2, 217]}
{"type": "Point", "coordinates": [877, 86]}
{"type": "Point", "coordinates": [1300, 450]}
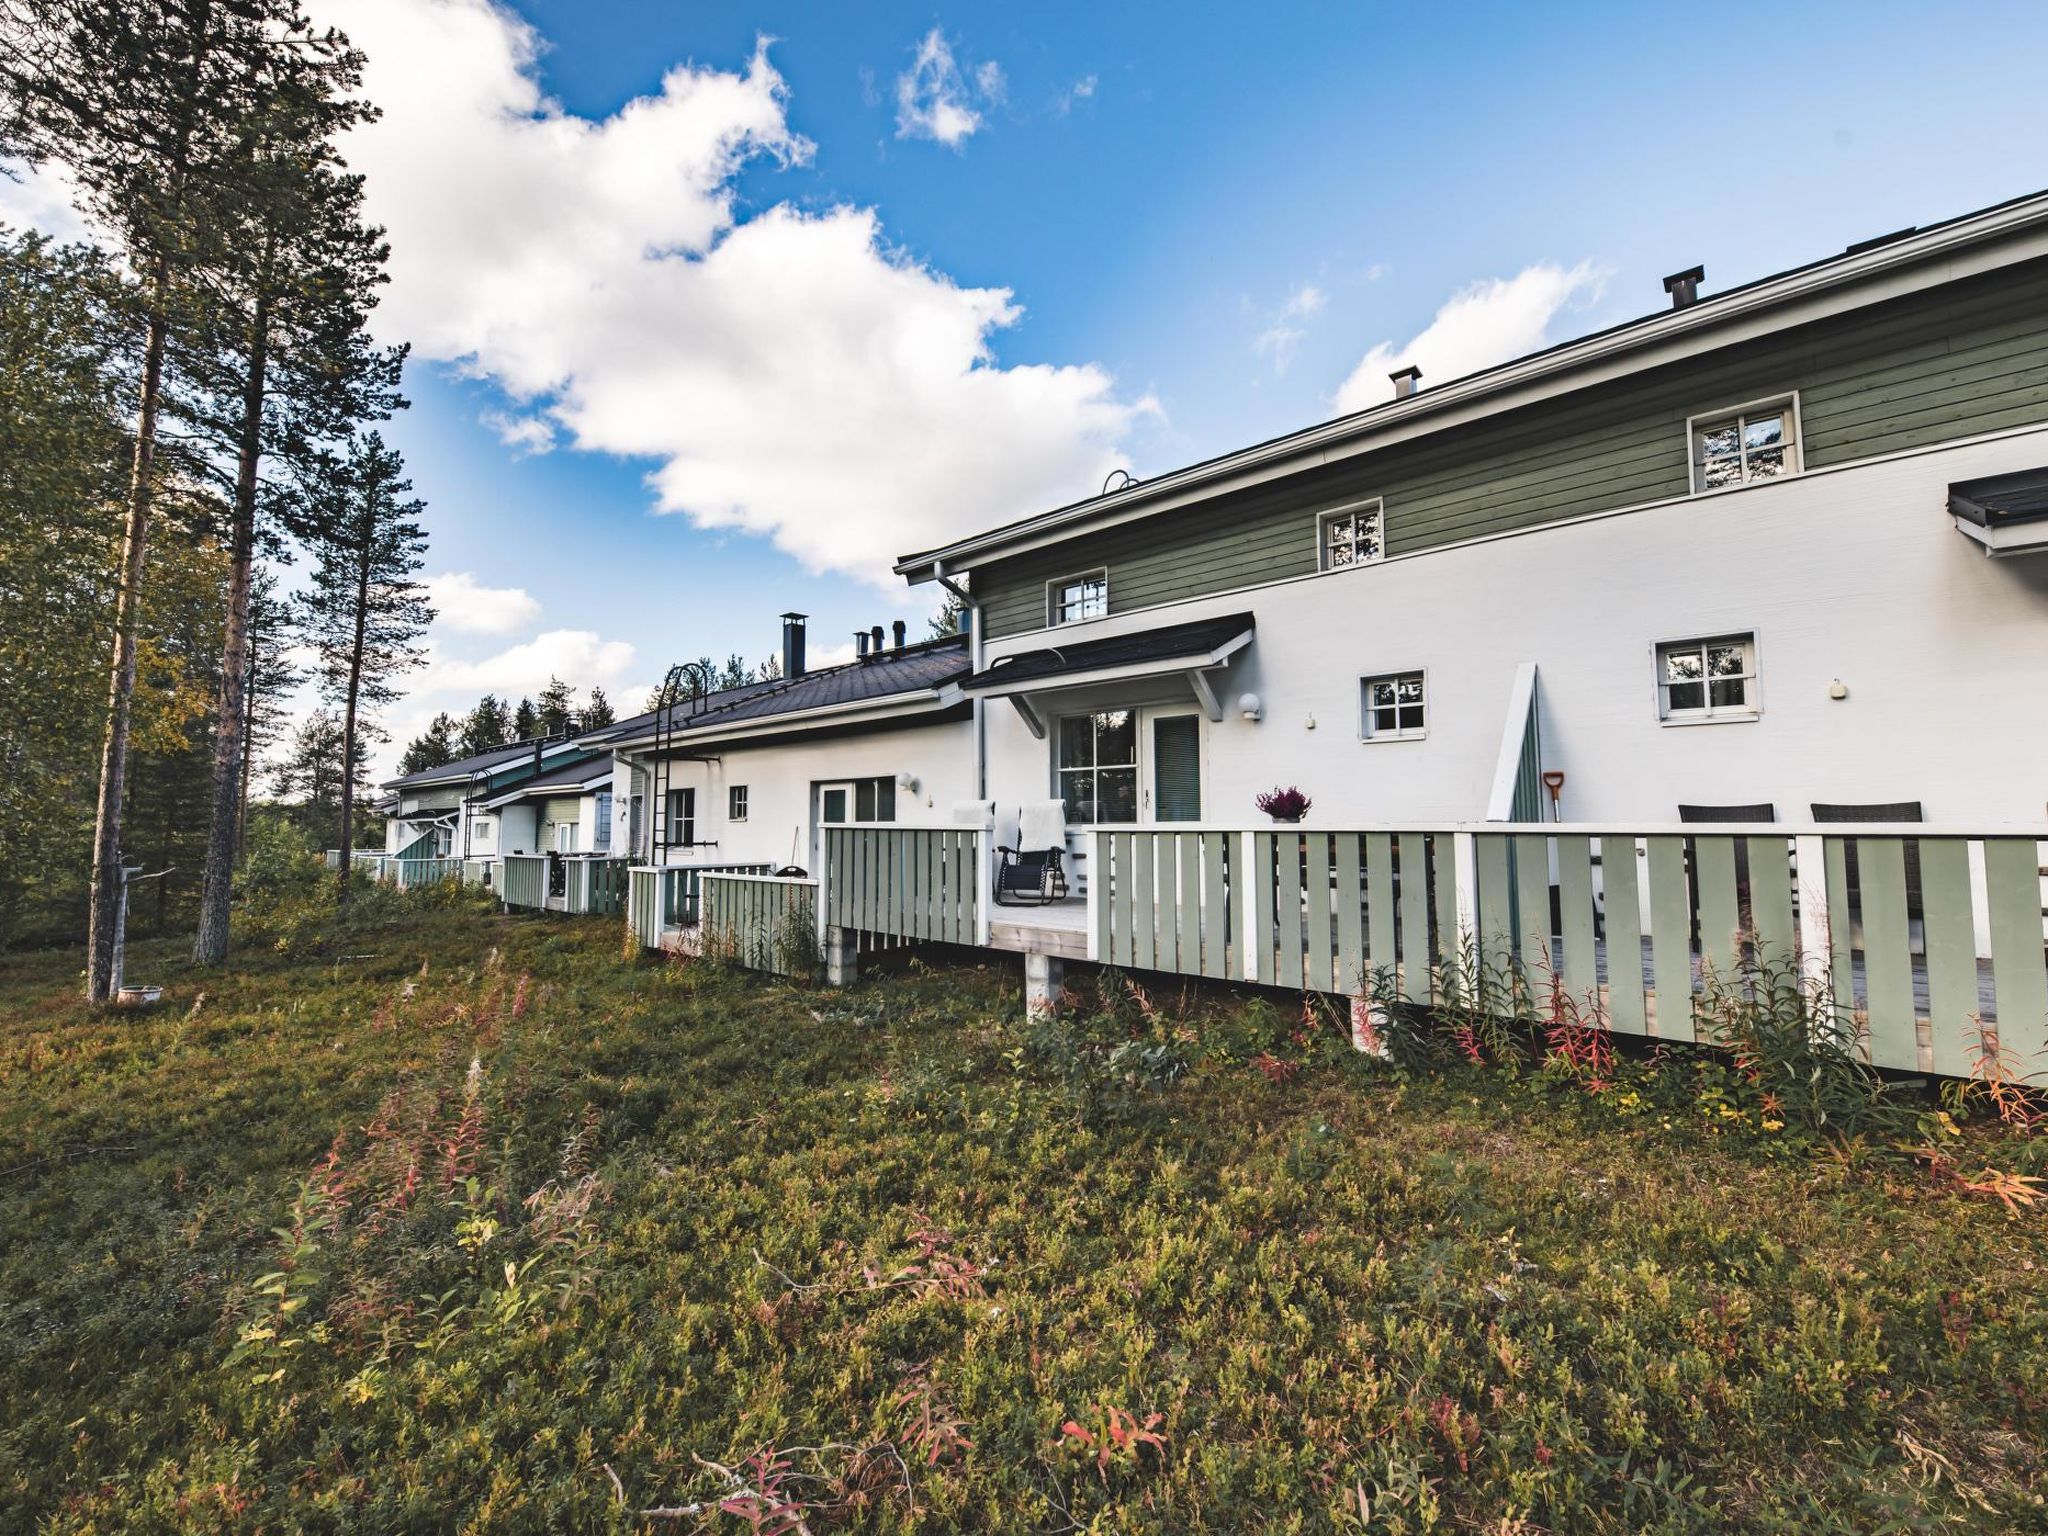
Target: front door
{"type": "Point", "coordinates": [1171, 744]}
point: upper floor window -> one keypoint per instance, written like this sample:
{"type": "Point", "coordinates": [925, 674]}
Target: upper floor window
{"type": "Point", "coordinates": [1757, 442]}
{"type": "Point", "coordinates": [1351, 536]}
{"type": "Point", "coordinates": [1074, 598]}
{"type": "Point", "coordinates": [1394, 707]}
{"type": "Point", "coordinates": [1707, 679]}
{"type": "Point", "coordinates": [736, 802]}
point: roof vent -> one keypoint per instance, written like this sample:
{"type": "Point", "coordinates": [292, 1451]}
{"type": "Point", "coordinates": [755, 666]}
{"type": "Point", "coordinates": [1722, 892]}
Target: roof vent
{"type": "Point", "coordinates": [875, 641]}
{"type": "Point", "coordinates": [1406, 381]}
{"type": "Point", "coordinates": [896, 632]}
{"type": "Point", "coordinates": [860, 644]}
{"type": "Point", "coordinates": [1684, 287]}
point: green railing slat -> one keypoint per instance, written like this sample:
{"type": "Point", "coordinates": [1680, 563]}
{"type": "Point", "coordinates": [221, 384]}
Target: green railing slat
{"type": "Point", "coordinates": [1443, 863]}
{"type": "Point", "coordinates": [1144, 903]}
{"type": "Point", "coordinates": [1623, 893]}
{"type": "Point", "coordinates": [1287, 855]}
{"type": "Point", "coordinates": [1951, 942]}
{"type": "Point", "coordinates": [1414, 937]}
{"type": "Point", "coordinates": [1166, 888]}
{"type": "Point", "coordinates": [1841, 931]}
{"type": "Point", "coordinates": [1265, 850]}
{"type": "Point", "coordinates": [1126, 949]}
{"type": "Point", "coordinates": [1532, 910]}
{"type": "Point", "coordinates": [1720, 913]}
{"type": "Point", "coordinates": [1381, 950]}
{"type": "Point", "coordinates": [2012, 885]}
{"type": "Point", "coordinates": [1189, 855]}
{"type": "Point", "coordinates": [1215, 907]}
{"type": "Point", "coordinates": [1670, 937]}
{"type": "Point", "coordinates": [1575, 919]}
{"type": "Point", "coordinates": [1315, 934]}
{"type": "Point", "coordinates": [1887, 951]}
{"type": "Point", "coordinates": [1353, 965]}
{"type": "Point", "coordinates": [1770, 905]}
{"type": "Point", "coordinates": [1496, 914]}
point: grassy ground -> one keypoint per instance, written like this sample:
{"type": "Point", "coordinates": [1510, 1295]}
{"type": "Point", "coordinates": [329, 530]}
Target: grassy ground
{"type": "Point", "coordinates": [456, 1222]}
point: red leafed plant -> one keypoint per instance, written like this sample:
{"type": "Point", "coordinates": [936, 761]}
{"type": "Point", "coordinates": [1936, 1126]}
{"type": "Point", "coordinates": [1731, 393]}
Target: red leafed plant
{"type": "Point", "coordinates": [1120, 1436]}
{"type": "Point", "coordinates": [1288, 804]}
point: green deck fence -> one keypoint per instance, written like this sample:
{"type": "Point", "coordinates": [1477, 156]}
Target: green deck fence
{"type": "Point", "coordinates": [480, 872]}
{"type": "Point", "coordinates": [765, 922]}
{"type": "Point", "coordinates": [595, 886]}
{"type": "Point", "coordinates": [905, 883]}
{"type": "Point", "coordinates": [662, 897]}
{"type": "Point", "coordinates": [1636, 923]}
{"type": "Point", "coordinates": [525, 880]}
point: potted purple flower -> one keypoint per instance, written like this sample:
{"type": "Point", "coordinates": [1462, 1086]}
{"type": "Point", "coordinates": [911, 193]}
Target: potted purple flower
{"type": "Point", "coordinates": [1284, 805]}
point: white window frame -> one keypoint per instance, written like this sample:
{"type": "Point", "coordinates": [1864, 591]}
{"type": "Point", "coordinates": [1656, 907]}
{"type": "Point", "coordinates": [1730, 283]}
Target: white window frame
{"type": "Point", "coordinates": [736, 802]}
{"type": "Point", "coordinates": [1053, 619]}
{"type": "Point", "coordinates": [1709, 713]}
{"type": "Point", "coordinates": [1795, 446]}
{"type": "Point", "coordinates": [1377, 506]}
{"type": "Point", "coordinates": [1366, 733]}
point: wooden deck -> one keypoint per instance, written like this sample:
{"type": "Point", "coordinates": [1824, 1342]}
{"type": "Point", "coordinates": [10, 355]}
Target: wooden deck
{"type": "Point", "coordinates": [1059, 928]}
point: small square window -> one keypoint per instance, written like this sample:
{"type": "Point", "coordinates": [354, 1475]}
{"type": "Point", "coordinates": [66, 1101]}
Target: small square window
{"type": "Point", "coordinates": [1393, 707]}
{"type": "Point", "coordinates": [1713, 679]}
{"type": "Point", "coordinates": [1758, 442]}
{"type": "Point", "coordinates": [1351, 536]}
{"type": "Point", "coordinates": [1076, 598]}
{"type": "Point", "coordinates": [736, 803]}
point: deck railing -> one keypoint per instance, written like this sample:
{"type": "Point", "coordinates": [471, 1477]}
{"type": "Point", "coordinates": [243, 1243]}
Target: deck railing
{"type": "Point", "coordinates": [525, 880]}
{"type": "Point", "coordinates": [660, 897]}
{"type": "Point", "coordinates": [595, 885]}
{"type": "Point", "coordinates": [764, 922]}
{"type": "Point", "coordinates": [907, 882]}
{"type": "Point", "coordinates": [1930, 935]}
{"type": "Point", "coordinates": [480, 872]}
{"type": "Point", "coordinates": [411, 874]}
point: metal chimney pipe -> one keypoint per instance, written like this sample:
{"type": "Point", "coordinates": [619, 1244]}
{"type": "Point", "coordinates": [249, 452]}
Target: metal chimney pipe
{"type": "Point", "coordinates": [875, 640]}
{"type": "Point", "coordinates": [860, 642]}
{"type": "Point", "coordinates": [897, 630]}
{"type": "Point", "coordinates": [793, 644]}
{"type": "Point", "coordinates": [1406, 381]}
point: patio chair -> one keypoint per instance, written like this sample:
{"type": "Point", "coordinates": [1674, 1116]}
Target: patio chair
{"type": "Point", "coordinates": [1886, 810]}
{"type": "Point", "coordinates": [1764, 811]}
{"type": "Point", "coordinates": [1033, 873]}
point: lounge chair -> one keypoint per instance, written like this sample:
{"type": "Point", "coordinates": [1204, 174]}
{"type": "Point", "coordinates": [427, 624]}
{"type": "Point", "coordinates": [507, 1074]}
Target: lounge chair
{"type": "Point", "coordinates": [1033, 873]}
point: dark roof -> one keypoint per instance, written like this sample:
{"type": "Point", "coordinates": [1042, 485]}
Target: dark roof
{"type": "Point", "coordinates": [683, 711]}
{"type": "Point", "coordinates": [471, 767]}
{"type": "Point", "coordinates": [1996, 499]}
{"type": "Point", "coordinates": [919, 668]}
{"type": "Point", "coordinates": [584, 766]}
{"type": "Point", "coordinates": [1172, 642]}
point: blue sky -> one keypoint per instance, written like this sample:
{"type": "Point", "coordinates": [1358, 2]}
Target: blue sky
{"type": "Point", "coordinates": [1206, 219]}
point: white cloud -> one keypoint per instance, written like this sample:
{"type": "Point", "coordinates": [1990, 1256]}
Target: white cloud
{"type": "Point", "coordinates": [40, 198]}
{"type": "Point", "coordinates": [1081, 90]}
{"type": "Point", "coordinates": [932, 95]}
{"type": "Point", "coordinates": [1281, 336]}
{"type": "Point", "coordinates": [465, 605]}
{"type": "Point", "coordinates": [791, 374]}
{"type": "Point", "coordinates": [527, 434]}
{"type": "Point", "coordinates": [1479, 326]}
{"type": "Point", "coordinates": [580, 657]}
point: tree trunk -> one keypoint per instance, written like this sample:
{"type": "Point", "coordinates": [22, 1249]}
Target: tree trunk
{"type": "Point", "coordinates": [101, 933]}
{"type": "Point", "coordinates": [348, 720]}
{"type": "Point", "coordinates": [248, 752]}
{"type": "Point", "coordinates": [217, 887]}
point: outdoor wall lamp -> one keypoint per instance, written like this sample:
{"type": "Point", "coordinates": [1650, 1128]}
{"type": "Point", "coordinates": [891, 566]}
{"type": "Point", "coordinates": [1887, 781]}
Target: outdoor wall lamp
{"type": "Point", "coordinates": [1838, 690]}
{"type": "Point", "coordinates": [907, 781]}
{"type": "Point", "coordinates": [1249, 706]}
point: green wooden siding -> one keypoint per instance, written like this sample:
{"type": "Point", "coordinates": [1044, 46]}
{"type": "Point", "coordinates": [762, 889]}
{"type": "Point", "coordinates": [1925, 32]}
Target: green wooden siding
{"type": "Point", "coordinates": [1968, 358]}
{"type": "Point", "coordinates": [762, 922]}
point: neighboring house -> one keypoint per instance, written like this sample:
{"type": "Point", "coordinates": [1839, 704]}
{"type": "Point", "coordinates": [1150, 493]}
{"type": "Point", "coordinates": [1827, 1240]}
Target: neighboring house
{"type": "Point", "coordinates": [565, 809]}
{"type": "Point", "coordinates": [443, 812]}
{"type": "Point", "coordinates": [747, 776]}
{"type": "Point", "coordinates": [1761, 549]}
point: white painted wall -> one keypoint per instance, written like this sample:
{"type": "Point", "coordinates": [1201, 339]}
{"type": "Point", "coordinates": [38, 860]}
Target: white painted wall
{"type": "Point", "coordinates": [781, 779]}
{"type": "Point", "coordinates": [1856, 574]}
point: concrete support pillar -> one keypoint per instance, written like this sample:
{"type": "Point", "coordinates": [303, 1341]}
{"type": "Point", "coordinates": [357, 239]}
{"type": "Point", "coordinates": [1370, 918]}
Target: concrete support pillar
{"type": "Point", "coordinates": [842, 956]}
{"type": "Point", "coordinates": [1044, 979]}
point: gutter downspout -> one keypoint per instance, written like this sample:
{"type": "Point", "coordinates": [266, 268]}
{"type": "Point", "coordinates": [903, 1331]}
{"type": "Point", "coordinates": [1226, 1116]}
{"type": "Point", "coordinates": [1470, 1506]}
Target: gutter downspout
{"type": "Point", "coordinates": [974, 646]}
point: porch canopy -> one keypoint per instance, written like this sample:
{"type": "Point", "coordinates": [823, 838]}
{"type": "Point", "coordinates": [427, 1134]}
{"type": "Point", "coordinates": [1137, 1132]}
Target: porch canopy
{"type": "Point", "coordinates": [2007, 514]}
{"type": "Point", "coordinates": [576, 778]}
{"type": "Point", "coordinates": [1188, 651]}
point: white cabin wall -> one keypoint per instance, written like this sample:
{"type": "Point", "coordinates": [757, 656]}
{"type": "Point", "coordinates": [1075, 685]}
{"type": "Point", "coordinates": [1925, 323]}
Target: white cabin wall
{"type": "Point", "coordinates": [519, 828]}
{"type": "Point", "coordinates": [1857, 574]}
{"type": "Point", "coordinates": [780, 779]}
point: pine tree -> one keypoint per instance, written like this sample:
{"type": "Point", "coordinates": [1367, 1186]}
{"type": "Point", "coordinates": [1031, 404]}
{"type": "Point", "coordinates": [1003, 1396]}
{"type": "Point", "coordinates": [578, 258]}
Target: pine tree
{"type": "Point", "coordinates": [485, 728]}
{"type": "Point", "coordinates": [556, 711]}
{"type": "Point", "coordinates": [946, 621]}
{"type": "Point", "coordinates": [272, 678]}
{"type": "Point", "coordinates": [309, 774]}
{"type": "Point", "coordinates": [598, 713]}
{"type": "Point", "coordinates": [735, 673]}
{"type": "Point", "coordinates": [525, 721]}
{"type": "Point", "coordinates": [365, 612]}
{"type": "Point", "coordinates": [283, 360]}
{"type": "Point", "coordinates": [432, 748]}
{"type": "Point", "coordinates": [145, 106]}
